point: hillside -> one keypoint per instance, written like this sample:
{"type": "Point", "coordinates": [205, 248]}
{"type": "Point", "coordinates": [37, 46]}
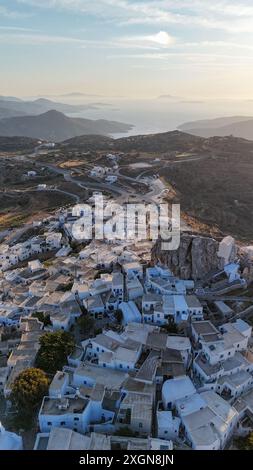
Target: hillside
{"type": "Point", "coordinates": [164, 142]}
{"type": "Point", "coordinates": [211, 178]}
{"type": "Point", "coordinates": [88, 142]}
{"type": "Point", "coordinates": [241, 128]}
{"type": "Point", "coordinates": [12, 107]}
{"type": "Point", "coordinates": [55, 126]}
{"type": "Point", "coordinates": [16, 144]}
{"type": "Point", "coordinates": [213, 123]}
{"type": "Point", "coordinates": [216, 190]}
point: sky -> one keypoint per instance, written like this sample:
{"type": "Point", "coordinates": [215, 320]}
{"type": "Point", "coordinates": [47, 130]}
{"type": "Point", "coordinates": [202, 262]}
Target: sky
{"type": "Point", "coordinates": [188, 49]}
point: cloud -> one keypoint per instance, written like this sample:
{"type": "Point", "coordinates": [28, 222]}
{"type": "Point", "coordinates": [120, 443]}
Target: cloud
{"type": "Point", "coordinates": [15, 34]}
{"type": "Point", "coordinates": [16, 28]}
{"type": "Point", "coordinates": [232, 16]}
{"type": "Point", "coordinates": [12, 14]}
{"type": "Point", "coordinates": [200, 13]}
{"type": "Point", "coordinates": [184, 59]}
{"type": "Point", "coordinates": [21, 38]}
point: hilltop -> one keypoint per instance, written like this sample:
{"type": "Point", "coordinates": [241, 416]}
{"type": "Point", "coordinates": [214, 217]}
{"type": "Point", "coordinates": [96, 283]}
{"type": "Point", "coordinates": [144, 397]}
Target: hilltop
{"type": "Point", "coordinates": [237, 126]}
{"type": "Point", "coordinates": [55, 126]}
{"type": "Point", "coordinates": [16, 144]}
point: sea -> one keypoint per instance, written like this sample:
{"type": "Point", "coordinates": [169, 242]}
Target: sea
{"type": "Point", "coordinates": [162, 115]}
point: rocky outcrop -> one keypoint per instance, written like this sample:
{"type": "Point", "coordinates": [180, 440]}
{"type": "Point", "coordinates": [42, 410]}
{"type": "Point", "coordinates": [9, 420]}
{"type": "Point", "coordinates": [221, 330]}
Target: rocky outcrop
{"type": "Point", "coordinates": [195, 257]}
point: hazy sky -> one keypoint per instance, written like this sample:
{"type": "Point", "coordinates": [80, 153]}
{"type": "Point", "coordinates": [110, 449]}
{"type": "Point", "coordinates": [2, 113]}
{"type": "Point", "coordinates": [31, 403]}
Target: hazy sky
{"type": "Point", "coordinates": [130, 48]}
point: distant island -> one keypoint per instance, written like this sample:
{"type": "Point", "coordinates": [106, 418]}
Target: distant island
{"type": "Point", "coordinates": [56, 126]}
{"type": "Point", "coordinates": [237, 126]}
{"type": "Point", "coordinates": [11, 106]}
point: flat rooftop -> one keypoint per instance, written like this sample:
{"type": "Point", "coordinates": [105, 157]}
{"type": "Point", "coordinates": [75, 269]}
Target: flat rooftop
{"type": "Point", "coordinates": [207, 368]}
{"type": "Point", "coordinates": [148, 368]}
{"type": "Point", "coordinates": [157, 340]}
{"type": "Point", "coordinates": [181, 343]}
{"type": "Point", "coordinates": [193, 301]}
{"type": "Point", "coordinates": [235, 380]}
{"type": "Point", "coordinates": [204, 327]}
{"type": "Point", "coordinates": [63, 406]}
{"type": "Point", "coordinates": [113, 378]}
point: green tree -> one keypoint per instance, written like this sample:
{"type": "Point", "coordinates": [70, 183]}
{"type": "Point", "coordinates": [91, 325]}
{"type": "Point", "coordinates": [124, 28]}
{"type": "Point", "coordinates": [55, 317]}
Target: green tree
{"type": "Point", "coordinates": [245, 443]}
{"type": "Point", "coordinates": [125, 431]}
{"type": "Point", "coordinates": [85, 323]}
{"type": "Point", "coordinates": [118, 315]}
{"type": "Point", "coordinates": [43, 318]}
{"type": "Point", "coordinates": [28, 390]}
{"type": "Point", "coordinates": [67, 287]}
{"type": "Point", "coordinates": [54, 349]}
{"type": "Point", "coordinates": [171, 327]}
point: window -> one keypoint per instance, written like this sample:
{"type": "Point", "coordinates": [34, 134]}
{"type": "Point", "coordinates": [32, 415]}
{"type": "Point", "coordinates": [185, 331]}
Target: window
{"type": "Point", "coordinates": [165, 432]}
{"type": "Point", "coordinates": [49, 423]}
{"type": "Point", "coordinates": [76, 419]}
{"type": "Point", "coordinates": [140, 425]}
{"type": "Point", "coordinates": [62, 423]}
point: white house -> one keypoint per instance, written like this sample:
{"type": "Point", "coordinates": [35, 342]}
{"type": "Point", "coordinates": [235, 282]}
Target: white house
{"type": "Point", "coordinates": [81, 290]}
{"type": "Point", "coordinates": [133, 269]}
{"type": "Point", "coordinates": [208, 421]}
{"type": "Point", "coordinates": [150, 301]}
{"type": "Point", "coordinates": [59, 384]}
{"type": "Point", "coordinates": [130, 312]}
{"type": "Point", "coordinates": [66, 439]}
{"type": "Point", "coordinates": [232, 272]}
{"type": "Point", "coordinates": [234, 337]}
{"type": "Point", "coordinates": [181, 344]}
{"type": "Point", "coordinates": [134, 288]}
{"type": "Point", "coordinates": [53, 240]}
{"type": "Point", "coordinates": [74, 413]}
{"type": "Point", "coordinates": [175, 389]}
{"type": "Point", "coordinates": [88, 374]}
{"type": "Point", "coordinates": [94, 305]}
{"type": "Point", "coordinates": [118, 285]}
{"type": "Point", "coordinates": [61, 320]}
{"type": "Point", "coordinates": [111, 179]}
{"type": "Point", "coordinates": [167, 425]}
{"type": "Point", "coordinates": [114, 351]}
{"type": "Point", "coordinates": [9, 440]}
{"type": "Point", "coordinates": [31, 174]}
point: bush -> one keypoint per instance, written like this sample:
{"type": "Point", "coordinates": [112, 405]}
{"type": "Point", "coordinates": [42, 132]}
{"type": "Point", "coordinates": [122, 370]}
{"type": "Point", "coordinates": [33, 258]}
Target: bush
{"type": "Point", "coordinates": [54, 350]}
{"type": "Point", "coordinates": [245, 443]}
{"type": "Point", "coordinates": [85, 323]}
{"type": "Point", "coordinates": [43, 318]}
{"type": "Point", "coordinates": [28, 389]}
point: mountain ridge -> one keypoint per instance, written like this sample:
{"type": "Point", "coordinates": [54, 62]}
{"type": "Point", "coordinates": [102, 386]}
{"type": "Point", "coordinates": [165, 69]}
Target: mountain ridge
{"type": "Point", "coordinates": [56, 126]}
{"type": "Point", "coordinates": [237, 126]}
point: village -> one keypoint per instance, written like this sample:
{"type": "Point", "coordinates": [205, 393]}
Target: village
{"type": "Point", "coordinates": [155, 362]}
